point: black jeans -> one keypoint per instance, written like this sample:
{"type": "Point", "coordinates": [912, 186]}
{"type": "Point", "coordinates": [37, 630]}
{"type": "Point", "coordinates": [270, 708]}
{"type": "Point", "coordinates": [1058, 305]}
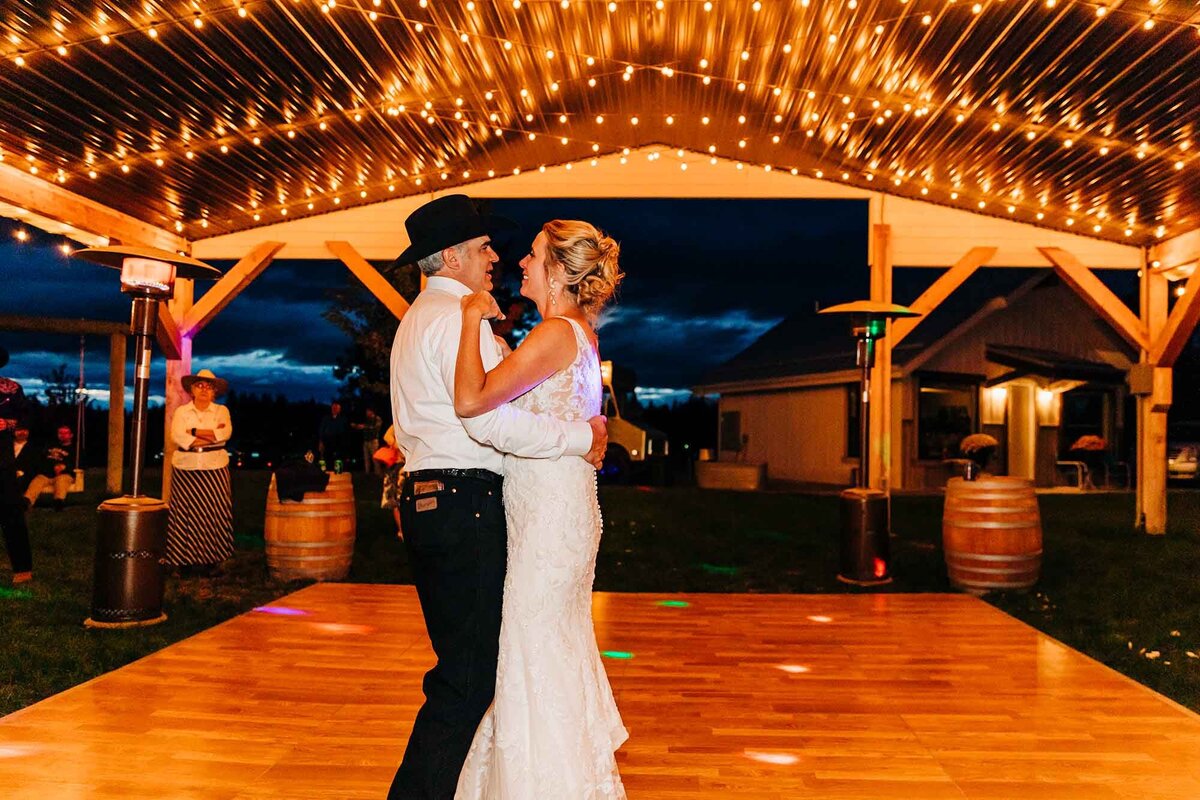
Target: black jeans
{"type": "Point", "coordinates": [12, 520]}
{"type": "Point", "coordinates": [456, 542]}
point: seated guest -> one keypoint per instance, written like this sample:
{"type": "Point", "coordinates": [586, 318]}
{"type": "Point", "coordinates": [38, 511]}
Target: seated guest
{"type": "Point", "coordinates": [56, 468]}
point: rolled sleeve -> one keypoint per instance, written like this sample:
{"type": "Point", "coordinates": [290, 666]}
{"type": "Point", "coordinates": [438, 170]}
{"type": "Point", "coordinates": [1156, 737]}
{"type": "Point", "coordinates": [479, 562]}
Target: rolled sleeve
{"type": "Point", "coordinates": [223, 435]}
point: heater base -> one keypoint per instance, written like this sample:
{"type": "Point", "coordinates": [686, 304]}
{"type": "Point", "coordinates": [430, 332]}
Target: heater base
{"type": "Point", "coordinates": [865, 549]}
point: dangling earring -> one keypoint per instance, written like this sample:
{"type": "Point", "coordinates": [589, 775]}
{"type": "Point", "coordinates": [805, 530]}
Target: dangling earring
{"type": "Point", "coordinates": [553, 294]}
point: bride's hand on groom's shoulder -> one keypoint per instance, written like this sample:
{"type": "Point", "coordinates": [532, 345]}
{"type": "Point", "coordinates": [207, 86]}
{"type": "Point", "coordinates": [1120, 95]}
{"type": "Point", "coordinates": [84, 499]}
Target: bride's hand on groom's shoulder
{"type": "Point", "coordinates": [483, 304]}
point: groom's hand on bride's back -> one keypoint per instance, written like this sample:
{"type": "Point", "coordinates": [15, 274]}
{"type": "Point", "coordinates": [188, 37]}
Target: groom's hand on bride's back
{"type": "Point", "coordinates": [595, 456]}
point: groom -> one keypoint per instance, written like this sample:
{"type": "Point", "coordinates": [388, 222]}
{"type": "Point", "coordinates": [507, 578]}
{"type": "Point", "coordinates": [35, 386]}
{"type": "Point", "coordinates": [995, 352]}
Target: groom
{"type": "Point", "coordinates": [451, 508]}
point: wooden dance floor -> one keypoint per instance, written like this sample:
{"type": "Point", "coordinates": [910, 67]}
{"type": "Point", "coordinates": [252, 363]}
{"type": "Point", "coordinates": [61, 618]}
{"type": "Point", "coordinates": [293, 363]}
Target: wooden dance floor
{"type": "Point", "coordinates": [729, 696]}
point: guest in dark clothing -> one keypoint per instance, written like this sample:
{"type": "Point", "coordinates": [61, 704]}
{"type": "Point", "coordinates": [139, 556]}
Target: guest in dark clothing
{"type": "Point", "coordinates": [332, 435]}
{"type": "Point", "coordinates": [57, 469]}
{"type": "Point", "coordinates": [371, 426]}
{"type": "Point", "coordinates": [12, 503]}
{"type": "Point", "coordinates": [27, 456]}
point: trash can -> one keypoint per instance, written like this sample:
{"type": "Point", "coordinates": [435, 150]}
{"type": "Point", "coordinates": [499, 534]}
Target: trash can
{"type": "Point", "coordinates": [865, 552]}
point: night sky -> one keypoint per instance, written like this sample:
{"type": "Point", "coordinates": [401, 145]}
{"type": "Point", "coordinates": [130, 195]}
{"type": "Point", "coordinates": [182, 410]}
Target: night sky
{"type": "Point", "coordinates": [704, 279]}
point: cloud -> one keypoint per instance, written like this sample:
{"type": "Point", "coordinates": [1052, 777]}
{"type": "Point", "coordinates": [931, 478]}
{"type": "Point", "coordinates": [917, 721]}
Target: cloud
{"type": "Point", "coordinates": [259, 371]}
{"type": "Point", "coordinates": [675, 348]}
{"type": "Point", "coordinates": [655, 396]}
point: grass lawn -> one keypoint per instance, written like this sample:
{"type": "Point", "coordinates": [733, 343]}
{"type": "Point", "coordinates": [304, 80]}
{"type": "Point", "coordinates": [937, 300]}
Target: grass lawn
{"type": "Point", "coordinates": [1113, 595]}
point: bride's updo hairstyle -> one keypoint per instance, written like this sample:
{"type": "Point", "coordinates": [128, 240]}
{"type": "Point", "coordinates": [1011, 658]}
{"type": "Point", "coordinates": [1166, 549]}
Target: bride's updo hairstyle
{"type": "Point", "coordinates": [589, 259]}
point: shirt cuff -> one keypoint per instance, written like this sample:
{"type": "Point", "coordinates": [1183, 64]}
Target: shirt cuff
{"type": "Point", "coordinates": [579, 439]}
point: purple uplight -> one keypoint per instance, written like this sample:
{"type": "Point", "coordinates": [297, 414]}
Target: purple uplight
{"type": "Point", "coordinates": [282, 611]}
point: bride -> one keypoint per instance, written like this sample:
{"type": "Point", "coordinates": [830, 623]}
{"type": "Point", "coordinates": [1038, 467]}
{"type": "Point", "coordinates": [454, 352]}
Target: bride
{"type": "Point", "coordinates": [553, 728]}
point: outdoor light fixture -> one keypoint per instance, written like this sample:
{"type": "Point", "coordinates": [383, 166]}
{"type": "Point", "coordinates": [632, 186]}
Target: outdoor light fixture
{"type": "Point", "coordinates": [865, 511]}
{"type": "Point", "coordinates": [127, 588]}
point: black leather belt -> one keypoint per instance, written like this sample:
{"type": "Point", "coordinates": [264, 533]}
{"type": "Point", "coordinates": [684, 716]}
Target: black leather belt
{"type": "Point", "coordinates": [451, 472]}
{"type": "Point", "coordinates": [212, 448]}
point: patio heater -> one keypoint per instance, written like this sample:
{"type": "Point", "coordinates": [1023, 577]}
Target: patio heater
{"type": "Point", "coordinates": [131, 532]}
{"type": "Point", "coordinates": [865, 513]}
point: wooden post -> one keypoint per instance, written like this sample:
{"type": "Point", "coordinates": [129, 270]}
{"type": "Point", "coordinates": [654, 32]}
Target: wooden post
{"type": "Point", "coordinates": [115, 475]}
{"type": "Point", "coordinates": [880, 469]}
{"type": "Point", "coordinates": [1153, 402]}
{"type": "Point", "coordinates": [174, 394]}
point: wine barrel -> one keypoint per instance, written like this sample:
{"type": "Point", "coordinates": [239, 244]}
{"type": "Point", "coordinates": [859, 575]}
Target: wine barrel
{"type": "Point", "coordinates": [315, 537]}
{"type": "Point", "coordinates": [992, 534]}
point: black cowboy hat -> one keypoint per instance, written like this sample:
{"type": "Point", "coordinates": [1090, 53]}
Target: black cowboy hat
{"type": "Point", "coordinates": [445, 222]}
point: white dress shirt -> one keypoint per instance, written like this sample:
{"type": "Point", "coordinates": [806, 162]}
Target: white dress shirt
{"type": "Point", "coordinates": [214, 418]}
{"type": "Point", "coordinates": [428, 432]}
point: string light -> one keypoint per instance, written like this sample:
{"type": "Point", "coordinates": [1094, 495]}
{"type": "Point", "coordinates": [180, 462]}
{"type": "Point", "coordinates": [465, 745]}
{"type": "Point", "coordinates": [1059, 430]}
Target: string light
{"type": "Point", "coordinates": [851, 146]}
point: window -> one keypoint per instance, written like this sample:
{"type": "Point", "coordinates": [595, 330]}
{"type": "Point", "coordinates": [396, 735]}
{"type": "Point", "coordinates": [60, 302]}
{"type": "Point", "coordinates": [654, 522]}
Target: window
{"type": "Point", "coordinates": [853, 424]}
{"type": "Point", "coordinates": [947, 412]}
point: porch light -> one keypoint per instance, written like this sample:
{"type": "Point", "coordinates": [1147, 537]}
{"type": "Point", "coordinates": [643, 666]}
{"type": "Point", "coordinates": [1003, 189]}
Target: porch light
{"type": "Point", "coordinates": [995, 403]}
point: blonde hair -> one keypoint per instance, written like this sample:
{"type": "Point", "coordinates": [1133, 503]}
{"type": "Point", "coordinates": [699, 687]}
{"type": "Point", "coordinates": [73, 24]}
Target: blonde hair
{"type": "Point", "coordinates": [589, 260]}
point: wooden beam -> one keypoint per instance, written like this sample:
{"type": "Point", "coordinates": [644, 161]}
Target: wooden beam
{"type": "Point", "coordinates": [1150, 502]}
{"type": "Point", "coordinates": [1179, 326]}
{"type": "Point", "coordinates": [42, 198]}
{"type": "Point", "coordinates": [1098, 296]}
{"type": "Point", "coordinates": [116, 414]}
{"type": "Point", "coordinates": [92, 327]}
{"type": "Point", "coordinates": [1177, 251]}
{"type": "Point", "coordinates": [167, 333]}
{"type": "Point", "coordinates": [229, 286]}
{"type": "Point", "coordinates": [178, 365]}
{"type": "Point", "coordinates": [376, 284]}
{"type": "Point", "coordinates": [880, 446]}
{"type": "Point", "coordinates": [942, 288]}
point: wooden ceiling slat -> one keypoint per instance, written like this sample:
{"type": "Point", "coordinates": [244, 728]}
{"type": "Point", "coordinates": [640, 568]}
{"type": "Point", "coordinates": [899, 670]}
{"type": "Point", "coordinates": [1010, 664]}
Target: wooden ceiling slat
{"type": "Point", "coordinates": [292, 67]}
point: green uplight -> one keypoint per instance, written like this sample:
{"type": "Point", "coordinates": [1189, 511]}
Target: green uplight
{"type": "Point", "coordinates": [14, 594]}
{"type": "Point", "coordinates": [617, 654]}
{"type": "Point", "coordinates": [718, 569]}
{"type": "Point", "coordinates": [674, 603]}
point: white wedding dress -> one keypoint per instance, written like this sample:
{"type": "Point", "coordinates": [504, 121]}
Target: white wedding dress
{"type": "Point", "coordinates": [553, 728]}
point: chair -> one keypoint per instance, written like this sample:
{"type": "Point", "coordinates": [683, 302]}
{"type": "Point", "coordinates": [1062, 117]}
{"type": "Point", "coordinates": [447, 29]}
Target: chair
{"type": "Point", "coordinates": [1079, 470]}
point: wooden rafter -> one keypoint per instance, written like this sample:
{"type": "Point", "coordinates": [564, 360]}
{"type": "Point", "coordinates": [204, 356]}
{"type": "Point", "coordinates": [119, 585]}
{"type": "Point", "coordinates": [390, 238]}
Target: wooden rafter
{"type": "Point", "coordinates": [942, 288]}
{"type": "Point", "coordinates": [1178, 251]}
{"type": "Point", "coordinates": [376, 284]}
{"type": "Point", "coordinates": [228, 287]}
{"type": "Point", "coordinates": [1169, 343]}
{"type": "Point", "coordinates": [45, 199]}
{"type": "Point", "coordinates": [167, 333]}
{"type": "Point", "coordinates": [1098, 296]}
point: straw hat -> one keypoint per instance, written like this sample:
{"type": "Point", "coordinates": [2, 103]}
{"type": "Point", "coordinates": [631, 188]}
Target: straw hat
{"type": "Point", "coordinates": [219, 384]}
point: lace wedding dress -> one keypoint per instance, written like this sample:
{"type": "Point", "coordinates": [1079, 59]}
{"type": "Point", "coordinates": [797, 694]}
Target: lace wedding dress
{"type": "Point", "coordinates": [553, 729]}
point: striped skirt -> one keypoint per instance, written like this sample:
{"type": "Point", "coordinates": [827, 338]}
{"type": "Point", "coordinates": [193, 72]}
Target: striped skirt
{"type": "Point", "coordinates": [200, 524]}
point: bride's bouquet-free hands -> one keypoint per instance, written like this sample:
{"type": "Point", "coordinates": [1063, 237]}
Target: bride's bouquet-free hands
{"type": "Point", "coordinates": [483, 304]}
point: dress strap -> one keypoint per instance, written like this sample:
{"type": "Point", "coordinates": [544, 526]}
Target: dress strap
{"type": "Point", "coordinates": [581, 338]}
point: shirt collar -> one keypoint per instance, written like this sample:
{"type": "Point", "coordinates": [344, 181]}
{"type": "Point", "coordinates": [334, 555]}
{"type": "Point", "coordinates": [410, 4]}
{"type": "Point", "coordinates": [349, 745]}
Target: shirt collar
{"type": "Point", "coordinates": [440, 283]}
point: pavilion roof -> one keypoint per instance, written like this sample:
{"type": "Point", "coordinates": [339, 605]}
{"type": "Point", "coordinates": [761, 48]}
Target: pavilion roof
{"type": "Point", "coordinates": [210, 117]}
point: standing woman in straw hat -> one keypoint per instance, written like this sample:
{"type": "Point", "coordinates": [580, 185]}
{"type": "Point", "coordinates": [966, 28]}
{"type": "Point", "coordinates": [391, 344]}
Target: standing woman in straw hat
{"type": "Point", "coordinates": [200, 525]}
